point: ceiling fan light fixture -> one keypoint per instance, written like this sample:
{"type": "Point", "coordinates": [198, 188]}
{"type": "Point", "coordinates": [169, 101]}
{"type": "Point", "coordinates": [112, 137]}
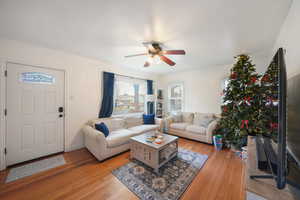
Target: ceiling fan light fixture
{"type": "Point", "coordinates": [154, 59]}
{"type": "Point", "coordinates": [150, 59]}
{"type": "Point", "coordinates": [156, 55]}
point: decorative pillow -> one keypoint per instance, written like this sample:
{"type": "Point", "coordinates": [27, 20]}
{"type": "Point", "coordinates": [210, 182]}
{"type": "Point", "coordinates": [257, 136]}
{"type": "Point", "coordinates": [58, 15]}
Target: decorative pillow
{"type": "Point", "coordinates": [115, 124]}
{"type": "Point", "coordinates": [148, 119]}
{"type": "Point", "coordinates": [188, 117]}
{"type": "Point", "coordinates": [111, 123]}
{"type": "Point", "coordinates": [132, 121]}
{"type": "Point", "coordinates": [202, 119]}
{"type": "Point", "coordinates": [102, 128]}
{"type": "Point", "coordinates": [177, 117]}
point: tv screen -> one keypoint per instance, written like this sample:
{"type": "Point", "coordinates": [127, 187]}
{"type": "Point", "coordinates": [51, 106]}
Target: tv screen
{"type": "Point", "coordinates": [282, 158]}
{"type": "Point", "coordinates": [275, 117]}
{"type": "Point", "coordinates": [281, 142]}
{"type": "Point", "coordinates": [293, 117]}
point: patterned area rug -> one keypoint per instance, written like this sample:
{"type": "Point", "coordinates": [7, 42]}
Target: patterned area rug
{"type": "Point", "coordinates": [173, 179]}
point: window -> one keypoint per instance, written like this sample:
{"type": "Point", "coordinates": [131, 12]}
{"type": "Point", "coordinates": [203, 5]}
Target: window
{"type": "Point", "coordinates": [129, 95]}
{"type": "Point", "coordinates": [175, 97]}
{"type": "Point", "coordinates": [36, 77]}
{"type": "Point", "coordinates": [224, 85]}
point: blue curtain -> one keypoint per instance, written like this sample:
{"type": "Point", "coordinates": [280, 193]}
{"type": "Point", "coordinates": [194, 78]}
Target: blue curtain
{"type": "Point", "coordinates": [108, 95]}
{"type": "Point", "coordinates": [150, 105]}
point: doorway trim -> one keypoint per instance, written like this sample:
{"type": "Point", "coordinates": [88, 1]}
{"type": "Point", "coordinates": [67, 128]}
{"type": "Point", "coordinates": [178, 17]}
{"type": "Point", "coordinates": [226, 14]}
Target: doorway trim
{"type": "Point", "coordinates": [3, 119]}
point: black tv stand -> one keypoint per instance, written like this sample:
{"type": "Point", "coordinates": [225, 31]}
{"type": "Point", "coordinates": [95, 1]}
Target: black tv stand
{"type": "Point", "coordinates": [260, 183]}
{"type": "Point", "coordinates": [262, 176]}
{"type": "Point", "coordinates": [266, 146]}
{"type": "Point", "coordinates": [272, 177]}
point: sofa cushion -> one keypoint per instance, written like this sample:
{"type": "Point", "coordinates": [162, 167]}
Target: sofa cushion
{"type": "Point", "coordinates": [179, 126]}
{"type": "Point", "coordinates": [144, 128]}
{"type": "Point", "coordinates": [131, 121]}
{"type": "Point", "coordinates": [111, 123]}
{"type": "Point", "coordinates": [119, 137]}
{"type": "Point", "coordinates": [196, 129]}
{"type": "Point", "coordinates": [188, 117]}
{"type": "Point", "coordinates": [203, 119]}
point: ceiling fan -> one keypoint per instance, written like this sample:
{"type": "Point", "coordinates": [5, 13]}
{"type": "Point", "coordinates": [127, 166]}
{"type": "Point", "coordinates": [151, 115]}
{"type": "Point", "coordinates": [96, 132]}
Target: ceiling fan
{"type": "Point", "coordinates": [155, 51]}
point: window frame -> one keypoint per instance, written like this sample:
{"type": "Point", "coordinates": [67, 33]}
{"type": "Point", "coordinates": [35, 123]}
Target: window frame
{"type": "Point", "coordinates": [171, 85]}
{"type": "Point", "coordinates": [132, 81]}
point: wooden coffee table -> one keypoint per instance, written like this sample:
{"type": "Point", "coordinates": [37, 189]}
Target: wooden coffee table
{"type": "Point", "coordinates": [152, 154]}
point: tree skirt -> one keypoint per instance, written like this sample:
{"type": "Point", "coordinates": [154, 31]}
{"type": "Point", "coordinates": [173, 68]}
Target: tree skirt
{"type": "Point", "coordinates": [173, 179]}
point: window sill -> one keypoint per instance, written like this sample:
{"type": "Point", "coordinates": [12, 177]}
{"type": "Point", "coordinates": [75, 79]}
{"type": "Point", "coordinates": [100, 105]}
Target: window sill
{"type": "Point", "coordinates": [127, 114]}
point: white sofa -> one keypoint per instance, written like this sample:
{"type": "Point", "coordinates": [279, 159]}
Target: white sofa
{"type": "Point", "coordinates": [196, 126]}
{"type": "Point", "coordinates": [120, 131]}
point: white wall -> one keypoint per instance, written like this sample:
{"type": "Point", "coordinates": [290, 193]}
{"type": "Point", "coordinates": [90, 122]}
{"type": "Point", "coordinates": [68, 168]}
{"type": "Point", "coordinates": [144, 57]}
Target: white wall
{"type": "Point", "coordinates": [289, 39]}
{"type": "Point", "coordinates": [83, 79]}
{"type": "Point", "coordinates": [202, 87]}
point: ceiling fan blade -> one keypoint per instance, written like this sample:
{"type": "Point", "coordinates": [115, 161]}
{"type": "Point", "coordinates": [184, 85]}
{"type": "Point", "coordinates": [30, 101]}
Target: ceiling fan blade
{"type": "Point", "coordinates": [147, 64]}
{"type": "Point", "coordinates": [174, 52]}
{"type": "Point", "coordinates": [167, 60]}
{"type": "Point", "coordinates": [140, 54]}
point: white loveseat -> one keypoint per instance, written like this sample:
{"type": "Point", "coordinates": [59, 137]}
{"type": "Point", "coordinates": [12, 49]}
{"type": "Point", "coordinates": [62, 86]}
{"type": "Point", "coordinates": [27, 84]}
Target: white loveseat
{"type": "Point", "coordinates": [196, 126]}
{"type": "Point", "coordinates": [120, 131]}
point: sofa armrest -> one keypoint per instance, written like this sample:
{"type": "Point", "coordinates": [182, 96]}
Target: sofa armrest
{"type": "Point", "coordinates": [159, 122]}
{"type": "Point", "coordinates": [210, 129]}
{"type": "Point", "coordinates": [95, 141]}
{"type": "Point", "coordinates": [169, 120]}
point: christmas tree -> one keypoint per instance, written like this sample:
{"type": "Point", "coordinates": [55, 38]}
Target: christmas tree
{"type": "Point", "coordinates": [241, 103]}
{"type": "Point", "coordinates": [268, 117]}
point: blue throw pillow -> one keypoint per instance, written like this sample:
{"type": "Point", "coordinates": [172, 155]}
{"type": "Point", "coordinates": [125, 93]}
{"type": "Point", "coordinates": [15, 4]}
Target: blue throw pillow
{"type": "Point", "coordinates": [103, 128]}
{"type": "Point", "coordinates": [148, 119]}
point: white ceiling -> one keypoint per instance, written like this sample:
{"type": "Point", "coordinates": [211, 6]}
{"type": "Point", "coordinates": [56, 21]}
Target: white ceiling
{"type": "Point", "coordinates": [211, 31]}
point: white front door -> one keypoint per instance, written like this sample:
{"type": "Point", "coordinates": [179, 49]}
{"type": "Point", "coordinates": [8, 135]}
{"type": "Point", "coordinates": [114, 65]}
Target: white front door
{"type": "Point", "coordinates": [35, 115]}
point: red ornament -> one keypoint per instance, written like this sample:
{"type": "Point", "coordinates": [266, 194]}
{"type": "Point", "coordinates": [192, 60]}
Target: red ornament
{"type": "Point", "coordinates": [245, 122]}
{"type": "Point", "coordinates": [265, 78]}
{"type": "Point", "coordinates": [233, 75]}
{"type": "Point", "coordinates": [225, 109]}
{"type": "Point", "coordinates": [247, 100]}
{"type": "Point", "coordinates": [273, 125]}
{"type": "Point", "coordinates": [253, 79]}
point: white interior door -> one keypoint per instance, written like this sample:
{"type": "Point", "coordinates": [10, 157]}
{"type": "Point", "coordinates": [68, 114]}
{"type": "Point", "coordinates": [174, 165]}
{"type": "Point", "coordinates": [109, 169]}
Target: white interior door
{"type": "Point", "coordinates": [35, 124]}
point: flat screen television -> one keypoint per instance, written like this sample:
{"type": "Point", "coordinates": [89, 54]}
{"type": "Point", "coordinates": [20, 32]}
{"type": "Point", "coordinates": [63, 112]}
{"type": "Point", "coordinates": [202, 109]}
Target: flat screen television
{"type": "Point", "coordinates": [282, 148]}
{"type": "Point", "coordinates": [282, 157]}
{"type": "Point", "coordinates": [279, 142]}
{"type": "Point", "coordinates": [293, 124]}
{"type": "Point", "coordinates": [274, 146]}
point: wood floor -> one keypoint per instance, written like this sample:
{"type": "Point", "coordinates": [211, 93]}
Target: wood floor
{"type": "Point", "coordinates": [83, 177]}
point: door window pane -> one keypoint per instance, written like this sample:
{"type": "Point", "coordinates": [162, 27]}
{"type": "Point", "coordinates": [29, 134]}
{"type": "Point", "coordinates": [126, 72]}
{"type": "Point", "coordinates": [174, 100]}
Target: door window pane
{"type": "Point", "coordinates": [36, 77]}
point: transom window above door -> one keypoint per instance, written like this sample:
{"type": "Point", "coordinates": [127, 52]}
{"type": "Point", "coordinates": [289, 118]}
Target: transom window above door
{"type": "Point", "coordinates": [129, 95]}
{"type": "Point", "coordinates": [175, 97]}
{"type": "Point", "coordinates": [37, 77]}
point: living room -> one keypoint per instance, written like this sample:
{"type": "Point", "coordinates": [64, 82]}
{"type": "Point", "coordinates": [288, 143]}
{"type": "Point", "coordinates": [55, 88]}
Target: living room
{"type": "Point", "coordinates": [89, 89]}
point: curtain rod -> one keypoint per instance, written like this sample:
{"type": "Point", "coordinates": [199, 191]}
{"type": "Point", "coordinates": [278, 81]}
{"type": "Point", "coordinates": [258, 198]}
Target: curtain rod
{"type": "Point", "coordinates": [132, 77]}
